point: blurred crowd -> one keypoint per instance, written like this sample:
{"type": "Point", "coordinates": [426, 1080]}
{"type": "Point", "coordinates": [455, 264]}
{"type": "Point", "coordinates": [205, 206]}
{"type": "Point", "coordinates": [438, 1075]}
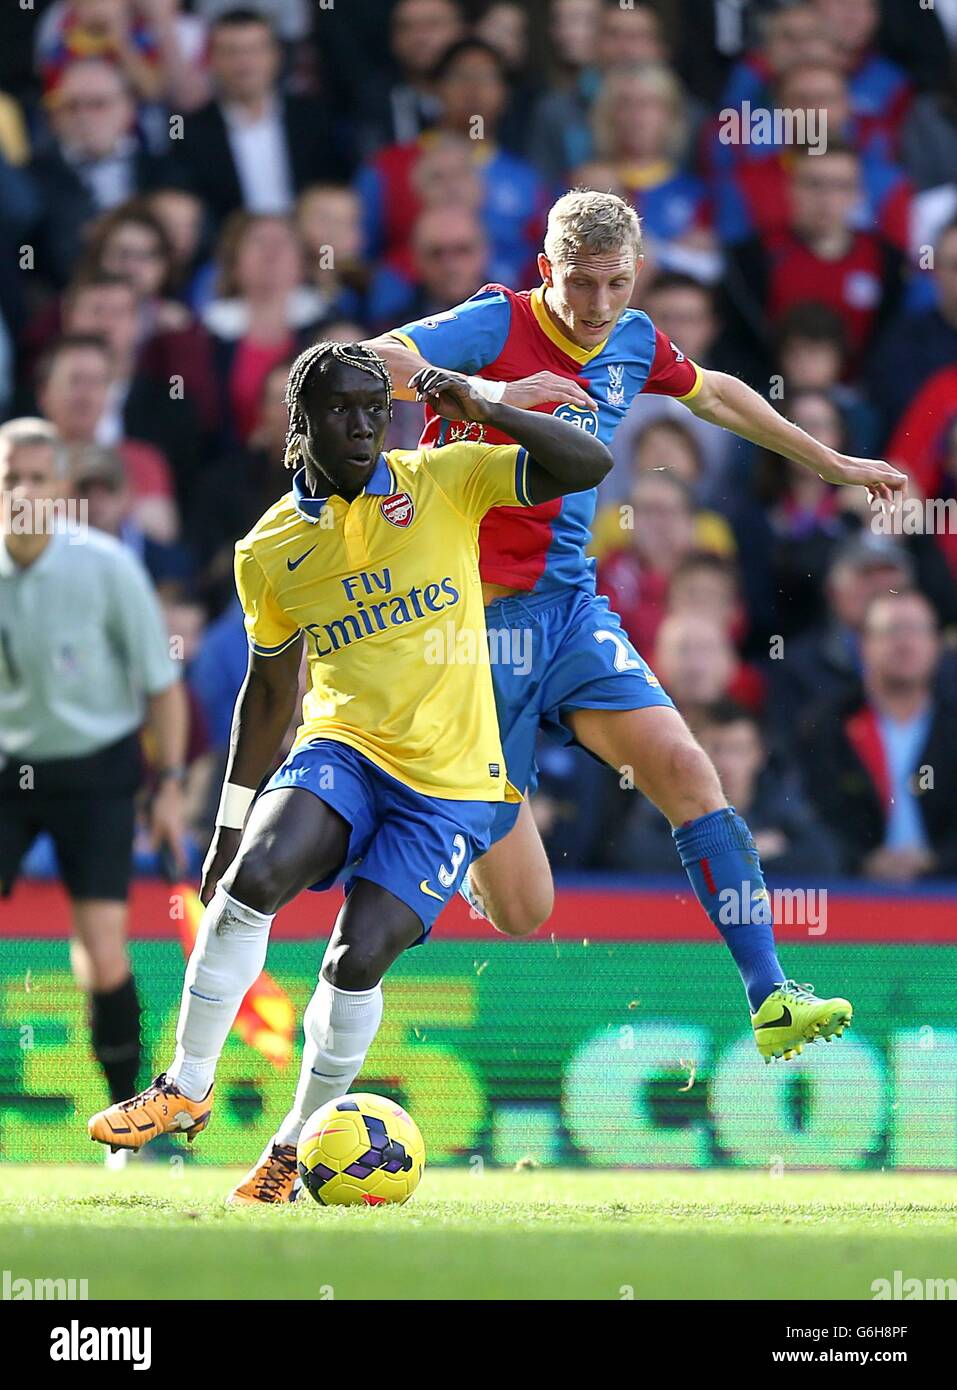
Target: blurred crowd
{"type": "Point", "coordinates": [192, 192]}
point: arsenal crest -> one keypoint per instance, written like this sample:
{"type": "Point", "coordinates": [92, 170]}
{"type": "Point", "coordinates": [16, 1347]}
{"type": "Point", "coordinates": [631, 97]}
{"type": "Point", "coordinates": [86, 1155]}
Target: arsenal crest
{"type": "Point", "coordinates": [397, 509]}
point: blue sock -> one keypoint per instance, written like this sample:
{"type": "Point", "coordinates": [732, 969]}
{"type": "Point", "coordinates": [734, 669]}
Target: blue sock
{"type": "Point", "coordinates": [722, 863]}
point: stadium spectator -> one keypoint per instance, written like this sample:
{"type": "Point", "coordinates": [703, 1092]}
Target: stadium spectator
{"type": "Point", "coordinates": [811, 352]}
{"type": "Point", "coordinates": [667, 444]}
{"type": "Point", "coordinates": [218, 671]}
{"type": "Point", "coordinates": [754, 191]}
{"type": "Point", "coordinates": [789, 533]}
{"type": "Point", "coordinates": [446, 178]}
{"type": "Point", "coordinates": [137, 406]}
{"type": "Point", "coordinates": [822, 258]}
{"type": "Point", "coordinates": [601, 177]}
{"type": "Point", "coordinates": [110, 30]}
{"type": "Point", "coordinates": [696, 663]}
{"type": "Point", "coordinates": [507, 26]}
{"type": "Point", "coordinates": [925, 444]}
{"type": "Point", "coordinates": [289, 18]}
{"type": "Point", "coordinates": [131, 242]}
{"type": "Point", "coordinates": [160, 50]}
{"type": "Point", "coordinates": [173, 345]}
{"type": "Point", "coordinates": [787, 36]}
{"type": "Point", "coordinates": [560, 136]}
{"type": "Point", "coordinates": [181, 215]}
{"type": "Point", "coordinates": [472, 85]}
{"type": "Point", "coordinates": [100, 481]}
{"type": "Point", "coordinates": [255, 146]}
{"type": "Point", "coordinates": [792, 843]}
{"type": "Point", "coordinates": [879, 764]}
{"type": "Point", "coordinates": [181, 40]}
{"type": "Point", "coordinates": [185, 620]}
{"type": "Point", "coordinates": [710, 585]}
{"type": "Point", "coordinates": [577, 801]}
{"type": "Point", "coordinates": [236, 491]}
{"type": "Point", "coordinates": [926, 49]}
{"type": "Point", "coordinates": [450, 262]}
{"type": "Point", "coordinates": [94, 163]}
{"type": "Point", "coordinates": [573, 38]}
{"type": "Point", "coordinates": [264, 312]}
{"type": "Point", "coordinates": [684, 310]}
{"type": "Point", "coordinates": [73, 383]}
{"type": "Point", "coordinates": [881, 93]}
{"type": "Point", "coordinates": [329, 222]}
{"type": "Point", "coordinates": [445, 174]}
{"type": "Point", "coordinates": [811, 348]}
{"type": "Point", "coordinates": [639, 126]}
{"type": "Point", "coordinates": [86, 663]}
{"type": "Point", "coordinates": [397, 112]}
{"type": "Point", "coordinates": [929, 139]}
{"type": "Point", "coordinates": [916, 345]}
{"type": "Point", "coordinates": [825, 662]}
{"type": "Point", "coordinates": [661, 532]}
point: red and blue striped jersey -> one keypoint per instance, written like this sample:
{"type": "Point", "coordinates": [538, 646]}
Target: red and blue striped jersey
{"type": "Point", "coordinates": [504, 335]}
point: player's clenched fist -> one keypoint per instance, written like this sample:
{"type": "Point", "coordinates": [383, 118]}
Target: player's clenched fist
{"type": "Point", "coordinates": [543, 388]}
{"type": "Point", "coordinates": [450, 394]}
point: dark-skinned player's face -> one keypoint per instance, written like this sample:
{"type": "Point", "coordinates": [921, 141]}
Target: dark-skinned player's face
{"type": "Point", "coordinates": [347, 415]}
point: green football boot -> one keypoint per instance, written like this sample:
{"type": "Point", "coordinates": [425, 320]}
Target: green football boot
{"type": "Point", "coordinates": [792, 1015]}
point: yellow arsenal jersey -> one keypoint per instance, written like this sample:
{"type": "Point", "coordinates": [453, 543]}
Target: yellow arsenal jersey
{"type": "Point", "coordinates": [386, 592]}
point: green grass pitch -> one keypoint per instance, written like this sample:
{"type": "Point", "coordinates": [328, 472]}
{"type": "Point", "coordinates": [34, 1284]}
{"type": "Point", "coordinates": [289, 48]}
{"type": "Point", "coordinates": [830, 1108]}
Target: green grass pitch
{"type": "Point", "coordinates": [160, 1230]}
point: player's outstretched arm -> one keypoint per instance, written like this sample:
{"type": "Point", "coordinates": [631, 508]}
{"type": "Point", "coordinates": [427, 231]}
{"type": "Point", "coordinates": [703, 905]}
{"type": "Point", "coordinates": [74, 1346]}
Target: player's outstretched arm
{"type": "Point", "coordinates": [724, 400]}
{"type": "Point", "coordinates": [542, 388]}
{"type": "Point", "coordinates": [562, 458]}
{"type": "Point", "coordinates": [264, 708]}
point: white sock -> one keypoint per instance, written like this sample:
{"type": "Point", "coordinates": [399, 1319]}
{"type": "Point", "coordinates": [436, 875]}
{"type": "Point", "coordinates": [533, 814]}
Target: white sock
{"type": "Point", "coordinates": [339, 1026]}
{"type": "Point", "coordinates": [229, 953]}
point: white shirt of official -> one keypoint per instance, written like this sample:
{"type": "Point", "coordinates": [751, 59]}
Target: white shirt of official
{"type": "Point", "coordinates": [261, 157]}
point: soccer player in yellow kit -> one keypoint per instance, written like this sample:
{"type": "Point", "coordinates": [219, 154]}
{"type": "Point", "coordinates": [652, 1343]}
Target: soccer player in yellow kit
{"type": "Point", "coordinates": [397, 766]}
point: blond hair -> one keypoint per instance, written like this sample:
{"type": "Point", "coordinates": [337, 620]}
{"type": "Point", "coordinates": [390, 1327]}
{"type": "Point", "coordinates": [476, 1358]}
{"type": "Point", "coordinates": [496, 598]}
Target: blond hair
{"type": "Point", "coordinates": [593, 223]}
{"type": "Point", "coordinates": [657, 79]}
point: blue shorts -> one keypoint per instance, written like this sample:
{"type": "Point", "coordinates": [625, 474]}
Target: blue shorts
{"type": "Point", "coordinates": [552, 653]}
{"type": "Point", "coordinates": [418, 847]}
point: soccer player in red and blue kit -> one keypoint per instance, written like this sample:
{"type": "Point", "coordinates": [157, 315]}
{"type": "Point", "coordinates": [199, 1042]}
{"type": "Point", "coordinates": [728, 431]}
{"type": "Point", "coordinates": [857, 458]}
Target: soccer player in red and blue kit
{"type": "Point", "coordinates": [574, 348]}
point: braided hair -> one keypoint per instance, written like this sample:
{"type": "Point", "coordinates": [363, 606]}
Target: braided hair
{"type": "Point", "coordinates": [322, 354]}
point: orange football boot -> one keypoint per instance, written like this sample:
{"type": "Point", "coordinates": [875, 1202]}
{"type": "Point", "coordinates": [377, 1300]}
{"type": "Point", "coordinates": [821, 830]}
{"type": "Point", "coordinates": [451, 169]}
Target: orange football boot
{"type": "Point", "coordinates": [160, 1109]}
{"type": "Point", "coordinates": [272, 1180]}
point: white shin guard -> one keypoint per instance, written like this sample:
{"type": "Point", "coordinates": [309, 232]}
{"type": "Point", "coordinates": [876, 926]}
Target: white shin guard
{"type": "Point", "coordinates": [339, 1027]}
{"type": "Point", "coordinates": [229, 954]}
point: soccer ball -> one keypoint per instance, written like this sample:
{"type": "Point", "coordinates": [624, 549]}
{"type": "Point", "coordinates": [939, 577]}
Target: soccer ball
{"type": "Point", "coordinates": [360, 1148]}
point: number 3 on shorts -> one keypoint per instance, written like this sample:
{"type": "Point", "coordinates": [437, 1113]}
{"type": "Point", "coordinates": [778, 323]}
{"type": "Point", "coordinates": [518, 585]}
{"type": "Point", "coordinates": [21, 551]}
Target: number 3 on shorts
{"type": "Point", "coordinates": [623, 662]}
{"type": "Point", "coordinates": [448, 876]}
